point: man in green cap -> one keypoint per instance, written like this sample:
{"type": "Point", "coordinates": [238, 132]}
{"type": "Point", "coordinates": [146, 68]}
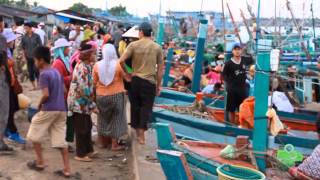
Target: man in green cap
{"type": "Point", "coordinates": [147, 63]}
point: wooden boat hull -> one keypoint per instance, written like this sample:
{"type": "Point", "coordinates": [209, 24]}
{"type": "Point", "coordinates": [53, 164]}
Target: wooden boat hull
{"type": "Point", "coordinates": [199, 155]}
{"type": "Point", "coordinates": [294, 124]}
{"type": "Point", "coordinates": [200, 129]}
{"type": "Point", "coordinates": [300, 115]}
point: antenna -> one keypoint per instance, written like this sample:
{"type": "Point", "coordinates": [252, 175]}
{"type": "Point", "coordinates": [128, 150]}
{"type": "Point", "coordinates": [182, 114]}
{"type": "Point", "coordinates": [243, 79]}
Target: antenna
{"type": "Point", "coordinates": [106, 5]}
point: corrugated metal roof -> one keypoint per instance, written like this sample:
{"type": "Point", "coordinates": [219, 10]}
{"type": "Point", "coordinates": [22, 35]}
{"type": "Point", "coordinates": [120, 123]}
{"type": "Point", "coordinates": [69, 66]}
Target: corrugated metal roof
{"type": "Point", "coordinates": [74, 17]}
{"type": "Point", "coordinates": [17, 12]}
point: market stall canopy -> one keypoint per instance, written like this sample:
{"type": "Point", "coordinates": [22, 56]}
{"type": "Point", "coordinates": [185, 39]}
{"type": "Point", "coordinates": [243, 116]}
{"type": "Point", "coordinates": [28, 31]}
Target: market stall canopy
{"type": "Point", "coordinates": [66, 17]}
{"type": "Point", "coordinates": [132, 33]}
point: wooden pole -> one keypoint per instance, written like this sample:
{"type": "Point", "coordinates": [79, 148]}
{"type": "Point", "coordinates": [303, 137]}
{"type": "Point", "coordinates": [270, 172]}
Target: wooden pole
{"type": "Point", "coordinates": [261, 89]}
{"type": "Point", "coordinates": [246, 24]}
{"type": "Point", "coordinates": [261, 92]}
{"type": "Point", "coordinates": [202, 35]}
{"type": "Point", "coordinates": [160, 34]}
{"type": "Point", "coordinates": [166, 76]}
{"type": "Point", "coordinates": [234, 24]}
{"type": "Point", "coordinates": [299, 30]}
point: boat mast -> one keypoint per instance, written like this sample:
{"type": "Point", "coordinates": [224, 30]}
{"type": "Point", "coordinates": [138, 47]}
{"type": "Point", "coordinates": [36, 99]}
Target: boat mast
{"type": "Point", "coordinates": [246, 24]}
{"type": "Point", "coordinates": [224, 26]}
{"type": "Point", "coordinates": [299, 28]}
{"type": "Point", "coordinates": [236, 30]}
{"type": "Point", "coordinates": [314, 29]}
{"type": "Point", "coordinates": [275, 16]}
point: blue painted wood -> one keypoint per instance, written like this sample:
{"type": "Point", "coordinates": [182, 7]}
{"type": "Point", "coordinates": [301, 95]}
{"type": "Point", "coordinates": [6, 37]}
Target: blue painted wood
{"type": "Point", "coordinates": [193, 124]}
{"type": "Point", "coordinates": [173, 165]}
{"type": "Point", "coordinates": [168, 67]}
{"type": "Point", "coordinates": [261, 89]}
{"type": "Point", "coordinates": [167, 138]}
{"type": "Point", "coordinates": [196, 162]}
{"type": "Point", "coordinates": [203, 27]}
{"type": "Point", "coordinates": [160, 34]}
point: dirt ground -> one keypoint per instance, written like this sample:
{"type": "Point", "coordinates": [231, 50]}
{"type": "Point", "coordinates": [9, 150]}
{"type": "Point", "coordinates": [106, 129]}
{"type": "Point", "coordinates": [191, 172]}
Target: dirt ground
{"type": "Point", "coordinates": [107, 166]}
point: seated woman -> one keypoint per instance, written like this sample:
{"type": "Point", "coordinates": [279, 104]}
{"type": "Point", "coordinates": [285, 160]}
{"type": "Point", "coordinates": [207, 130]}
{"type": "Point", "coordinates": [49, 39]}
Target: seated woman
{"type": "Point", "coordinates": [185, 80]}
{"type": "Point", "coordinates": [310, 168]}
{"type": "Point", "coordinates": [214, 78]}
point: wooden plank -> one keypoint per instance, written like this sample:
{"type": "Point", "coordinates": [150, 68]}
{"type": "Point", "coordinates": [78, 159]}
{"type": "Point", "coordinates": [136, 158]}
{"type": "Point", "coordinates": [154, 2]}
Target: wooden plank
{"type": "Point", "coordinates": [174, 165]}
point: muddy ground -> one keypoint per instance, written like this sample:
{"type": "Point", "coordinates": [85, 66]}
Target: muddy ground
{"type": "Point", "coordinates": [107, 166]}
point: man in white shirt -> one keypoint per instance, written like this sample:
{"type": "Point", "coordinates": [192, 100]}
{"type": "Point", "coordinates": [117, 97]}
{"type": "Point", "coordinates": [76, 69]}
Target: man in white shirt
{"type": "Point", "coordinates": [40, 31]}
{"type": "Point", "coordinates": [76, 36]}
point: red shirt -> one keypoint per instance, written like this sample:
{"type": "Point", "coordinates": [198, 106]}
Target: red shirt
{"type": "Point", "coordinates": [59, 65]}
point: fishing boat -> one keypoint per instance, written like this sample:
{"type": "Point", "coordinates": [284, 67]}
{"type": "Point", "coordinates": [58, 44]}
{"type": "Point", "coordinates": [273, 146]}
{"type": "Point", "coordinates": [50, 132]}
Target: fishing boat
{"type": "Point", "coordinates": [201, 159]}
{"type": "Point", "coordinates": [217, 104]}
{"type": "Point", "coordinates": [195, 128]}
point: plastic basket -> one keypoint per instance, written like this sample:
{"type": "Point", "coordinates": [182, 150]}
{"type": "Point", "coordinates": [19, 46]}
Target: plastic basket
{"type": "Point", "coordinates": [230, 172]}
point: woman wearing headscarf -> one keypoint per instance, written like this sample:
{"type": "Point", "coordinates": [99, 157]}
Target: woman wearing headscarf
{"type": "Point", "coordinates": [108, 79]}
{"type": "Point", "coordinates": [5, 81]}
{"type": "Point", "coordinates": [15, 89]}
{"type": "Point", "coordinates": [61, 53]}
{"type": "Point", "coordinates": [81, 103]}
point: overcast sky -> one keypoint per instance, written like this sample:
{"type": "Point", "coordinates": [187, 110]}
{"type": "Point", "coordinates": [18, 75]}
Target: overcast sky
{"type": "Point", "coordinates": [144, 7]}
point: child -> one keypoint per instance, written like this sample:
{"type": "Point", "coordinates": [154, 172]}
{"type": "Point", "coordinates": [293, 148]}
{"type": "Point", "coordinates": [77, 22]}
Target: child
{"type": "Point", "coordinates": [52, 113]}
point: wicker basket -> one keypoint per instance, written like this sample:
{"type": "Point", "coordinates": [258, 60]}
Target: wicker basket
{"type": "Point", "coordinates": [230, 172]}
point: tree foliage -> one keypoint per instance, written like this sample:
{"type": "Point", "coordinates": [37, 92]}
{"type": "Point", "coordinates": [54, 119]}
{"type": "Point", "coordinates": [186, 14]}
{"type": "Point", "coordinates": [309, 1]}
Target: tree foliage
{"type": "Point", "coordinates": [119, 11]}
{"type": "Point", "coordinates": [23, 4]}
{"type": "Point", "coordinates": [81, 8]}
{"type": "Point", "coordinates": [7, 2]}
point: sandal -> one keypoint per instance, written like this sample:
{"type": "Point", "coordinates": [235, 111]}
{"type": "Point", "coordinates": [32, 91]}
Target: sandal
{"type": "Point", "coordinates": [62, 173]}
{"type": "Point", "coordinates": [118, 148]}
{"type": "Point", "coordinates": [93, 154]}
{"type": "Point", "coordinates": [83, 159]}
{"type": "Point", "coordinates": [6, 148]}
{"type": "Point", "coordinates": [34, 166]}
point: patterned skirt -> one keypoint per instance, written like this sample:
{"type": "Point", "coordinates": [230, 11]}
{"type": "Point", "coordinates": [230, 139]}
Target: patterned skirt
{"type": "Point", "coordinates": [311, 166]}
{"type": "Point", "coordinates": [112, 121]}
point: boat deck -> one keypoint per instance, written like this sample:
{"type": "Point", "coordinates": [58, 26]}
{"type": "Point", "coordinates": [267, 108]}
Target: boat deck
{"type": "Point", "coordinates": [212, 151]}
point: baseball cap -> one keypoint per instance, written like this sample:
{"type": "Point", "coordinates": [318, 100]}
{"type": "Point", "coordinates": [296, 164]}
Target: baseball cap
{"type": "Point", "coordinates": [145, 26]}
{"type": "Point", "coordinates": [236, 45]}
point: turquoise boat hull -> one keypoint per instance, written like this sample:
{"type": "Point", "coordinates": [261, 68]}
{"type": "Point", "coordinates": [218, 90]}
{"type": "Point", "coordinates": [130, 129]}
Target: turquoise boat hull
{"type": "Point", "coordinates": [178, 98]}
{"type": "Point", "coordinates": [193, 128]}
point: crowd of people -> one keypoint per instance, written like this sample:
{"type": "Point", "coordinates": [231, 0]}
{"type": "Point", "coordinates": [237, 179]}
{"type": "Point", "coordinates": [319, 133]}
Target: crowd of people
{"type": "Point", "coordinates": [80, 70]}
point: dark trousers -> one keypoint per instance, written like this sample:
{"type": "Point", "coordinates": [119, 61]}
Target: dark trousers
{"type": "Point", "coordinates": [32, 70]}
{"type": "Point", "coordinates": [143, 94]}
{"type": "Point", "coordinates": [70, 130]}
{"type": "Point", "coordinates": [13, 108]}
{"type": "Point", "coordinates": [82, 126]}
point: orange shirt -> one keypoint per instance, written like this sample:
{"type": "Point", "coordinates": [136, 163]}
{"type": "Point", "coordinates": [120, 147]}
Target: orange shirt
{"type": "Point", "coordinates": [115, 87]}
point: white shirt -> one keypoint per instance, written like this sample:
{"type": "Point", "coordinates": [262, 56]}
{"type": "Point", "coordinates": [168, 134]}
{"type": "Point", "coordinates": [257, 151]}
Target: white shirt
{"type": "Point", "coordinates": [78, 39]}
{"type": "Point", "coordinates": [41, 33]}
{"type": "Point", "coordinates": [281, 101]}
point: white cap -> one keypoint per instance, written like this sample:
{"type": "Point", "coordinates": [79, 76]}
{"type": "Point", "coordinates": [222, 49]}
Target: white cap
{"type": "Point", "coordinates": [42, 24]}
{"type": "Point", "coordinates": [9, 35]}
{"type": "Point", "coordinates": [132, 33]}
{"type": "Point", "coordinates": [62, 42]}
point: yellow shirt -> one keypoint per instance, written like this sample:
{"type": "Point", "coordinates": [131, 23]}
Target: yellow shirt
{"type": "Point", "coordinates": [145, 55]}
{"type": "Point", "coordinates": [122, 47]}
